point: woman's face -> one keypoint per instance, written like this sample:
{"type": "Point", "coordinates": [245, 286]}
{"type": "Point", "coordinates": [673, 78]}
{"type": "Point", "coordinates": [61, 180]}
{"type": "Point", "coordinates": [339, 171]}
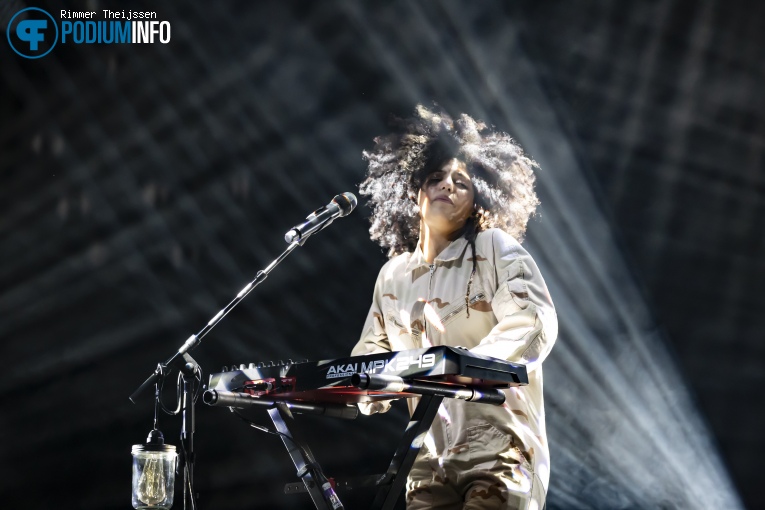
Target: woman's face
{"type": "Point", "coordinates": [446, 198]}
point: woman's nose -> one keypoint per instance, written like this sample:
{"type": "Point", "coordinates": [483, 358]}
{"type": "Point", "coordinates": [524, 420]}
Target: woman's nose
{"type": "Point", "coordinates": [447, 184]}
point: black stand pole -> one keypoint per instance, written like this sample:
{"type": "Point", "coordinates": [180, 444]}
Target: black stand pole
{"type": "Point", "coordinates": [187, 433]}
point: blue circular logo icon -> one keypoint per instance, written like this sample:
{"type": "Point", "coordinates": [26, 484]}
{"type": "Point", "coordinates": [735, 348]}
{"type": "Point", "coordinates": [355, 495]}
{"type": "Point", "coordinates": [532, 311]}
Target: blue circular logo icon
{"type": "Point", "coordinates": [32, 35]}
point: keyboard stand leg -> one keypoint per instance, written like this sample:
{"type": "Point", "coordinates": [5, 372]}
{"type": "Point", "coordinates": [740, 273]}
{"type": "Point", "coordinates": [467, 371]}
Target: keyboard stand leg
{"type": "Point", "coordinates": [406, 452]}
{"type": "Point", "coordinates": [304, 463]}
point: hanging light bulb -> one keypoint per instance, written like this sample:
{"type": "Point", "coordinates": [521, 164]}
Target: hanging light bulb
{"type": "Point", "coordinates": [153, 473]}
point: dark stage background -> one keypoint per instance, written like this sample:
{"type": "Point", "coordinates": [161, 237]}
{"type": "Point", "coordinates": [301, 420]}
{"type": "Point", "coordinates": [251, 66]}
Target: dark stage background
{"type": "Point", "coordinates": [142, 186]}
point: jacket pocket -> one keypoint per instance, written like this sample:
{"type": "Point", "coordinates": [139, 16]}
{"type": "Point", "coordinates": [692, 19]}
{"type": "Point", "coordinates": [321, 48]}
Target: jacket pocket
{"type": "Point", "coordinates": [460, 309]}
{"type": "Point", "coordinates": [486, 443]}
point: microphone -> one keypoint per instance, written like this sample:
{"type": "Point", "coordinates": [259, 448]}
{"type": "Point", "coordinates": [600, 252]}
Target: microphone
{"type": "Point", "coordinates": [341, 205]}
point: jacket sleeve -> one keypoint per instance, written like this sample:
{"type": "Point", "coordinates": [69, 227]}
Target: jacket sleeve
{"type": "Point", "coordinates": [374, 339]}
{"type": "Point", "coordinates": [527, 323]}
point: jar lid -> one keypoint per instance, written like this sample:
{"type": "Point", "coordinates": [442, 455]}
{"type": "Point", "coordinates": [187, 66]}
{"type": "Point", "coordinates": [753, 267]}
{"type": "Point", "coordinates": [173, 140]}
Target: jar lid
{"type": "Point", "coordinates": [161, 448]}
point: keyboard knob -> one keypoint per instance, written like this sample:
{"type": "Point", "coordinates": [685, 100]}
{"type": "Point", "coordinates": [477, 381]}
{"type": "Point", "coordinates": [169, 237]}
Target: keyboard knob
{"type": "Point", "coordinates": [252, 365]}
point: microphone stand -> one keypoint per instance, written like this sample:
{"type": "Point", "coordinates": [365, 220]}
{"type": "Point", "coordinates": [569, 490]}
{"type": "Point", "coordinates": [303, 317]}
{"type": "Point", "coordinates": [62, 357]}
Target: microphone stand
{"type": "Point", "coordinates": [189, 368]}
{"type": "Point", "coordinates": [187, 430]}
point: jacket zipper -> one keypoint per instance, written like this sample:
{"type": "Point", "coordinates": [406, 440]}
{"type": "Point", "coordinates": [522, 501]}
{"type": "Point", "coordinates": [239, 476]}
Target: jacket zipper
{"type": "Point", "coordinates": [427, 303]}
{"type": "Point", "coordinates": [430, 281]}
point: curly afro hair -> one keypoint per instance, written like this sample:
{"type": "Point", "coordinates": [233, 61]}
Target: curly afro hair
{"type": "Point", "coordinates": [503, 177]}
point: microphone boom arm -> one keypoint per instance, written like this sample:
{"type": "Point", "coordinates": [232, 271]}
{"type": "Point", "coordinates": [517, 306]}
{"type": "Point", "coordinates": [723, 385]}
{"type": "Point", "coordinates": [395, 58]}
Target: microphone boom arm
{"type": "Point", "coordinates": [344, 204]}
{"type": "Point", "coordinates": [194, 340]}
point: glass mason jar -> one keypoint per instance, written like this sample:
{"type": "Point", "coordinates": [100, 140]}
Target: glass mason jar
{"type": "Point", "coordinates": [153, 475]}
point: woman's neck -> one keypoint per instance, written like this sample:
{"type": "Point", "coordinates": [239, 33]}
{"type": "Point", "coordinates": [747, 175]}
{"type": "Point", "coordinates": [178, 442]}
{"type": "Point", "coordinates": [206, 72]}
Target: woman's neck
{"type": "Point", "coordinates": [433, 243]}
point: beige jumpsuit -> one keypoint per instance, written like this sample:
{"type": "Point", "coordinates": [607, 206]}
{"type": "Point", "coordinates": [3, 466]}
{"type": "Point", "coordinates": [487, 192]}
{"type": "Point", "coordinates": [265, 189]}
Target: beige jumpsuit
{"type": "Point", "coordinates": [475, 456]}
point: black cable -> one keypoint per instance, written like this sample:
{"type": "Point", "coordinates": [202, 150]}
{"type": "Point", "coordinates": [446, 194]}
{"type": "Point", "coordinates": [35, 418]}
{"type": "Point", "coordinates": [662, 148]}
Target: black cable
{"type": "Point", "coordinates": [179, 391]}
{"type": "Point", "coordinates": [198, 377]}
{"type": "Point", "coordinates": [162, 375]}
{"type": "Point", "coordinates": [190, 485]}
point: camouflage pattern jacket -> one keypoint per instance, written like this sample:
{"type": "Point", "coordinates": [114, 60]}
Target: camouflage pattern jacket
{"type": "Point", "coordinates": [511, 316]}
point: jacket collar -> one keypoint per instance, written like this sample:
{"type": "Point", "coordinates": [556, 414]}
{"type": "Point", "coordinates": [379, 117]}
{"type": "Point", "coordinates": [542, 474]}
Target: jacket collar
{"type": "Point", "coordinates": [453, 251]}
